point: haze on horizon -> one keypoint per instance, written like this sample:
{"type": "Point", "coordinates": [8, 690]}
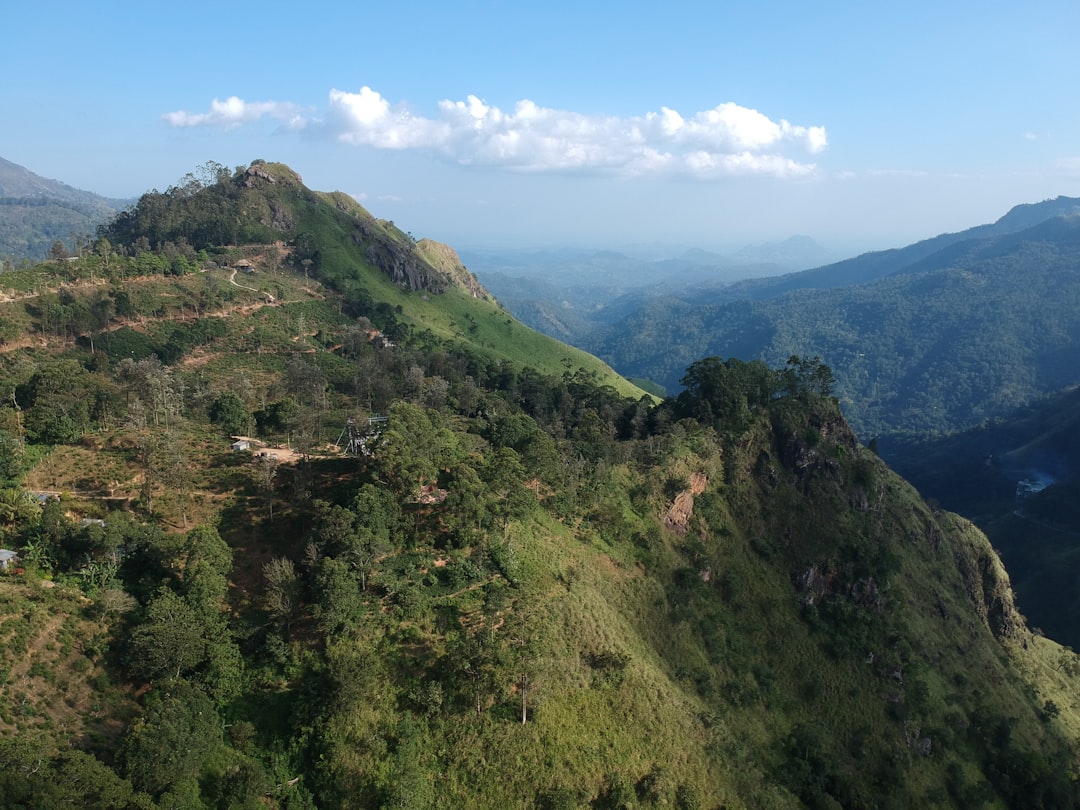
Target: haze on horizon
{"type": "Point", "coordinates": [494, 125]}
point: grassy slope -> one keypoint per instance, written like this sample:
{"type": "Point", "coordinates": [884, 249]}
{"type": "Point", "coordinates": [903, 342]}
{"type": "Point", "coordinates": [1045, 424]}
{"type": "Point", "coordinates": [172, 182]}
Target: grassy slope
{"type": "Point", "coordinates": [676, 661]}
{"type": "Point", "coordinates": [723, 660]}
{"type": "Point", "coordinates": [454, 315]}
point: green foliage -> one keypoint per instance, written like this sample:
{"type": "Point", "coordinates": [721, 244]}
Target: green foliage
{"type": "Point", "coordinates": [533, 591]}
{"type": "Point", "coordinates": [229, 411]}
{"type": "Point", "coordinates": [33, 776]}
{"type": "Point", "coordinates": [170, 746]}
{"type": "Point", "coordinates": [951, 335]}
{"type": "Point", "coordinates": [170, 643]}
{"type": "Point", "coordinates": [414, 447]}
{"type": "Point", "coordinates": [725, 392]}
{"type": "Point", "coordinates": [57, 402]}
{"type": "Point", "coordinates": [12, 453]}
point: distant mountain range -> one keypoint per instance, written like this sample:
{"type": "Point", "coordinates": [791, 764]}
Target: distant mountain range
{"type": "Point", "coordinates": [35, 212]}
{"type": "Point", "coordinates": [570, 293]}
{"type": "Point", "coordinates": [926, 254]}
{"type": "Point", "coordinates": [934, 337]}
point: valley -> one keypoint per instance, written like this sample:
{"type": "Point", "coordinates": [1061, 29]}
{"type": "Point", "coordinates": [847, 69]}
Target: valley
{"type": "Point", "coordinates": [540, 586]}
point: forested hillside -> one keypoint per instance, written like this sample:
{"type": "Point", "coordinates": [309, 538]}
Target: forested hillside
{"type": "Point", "coordinates": [304, 520]}
{"type": "Point", "coordinates": [36, 214]}
{"type": "Point", "coordinates": [961, 335]}
{"type": "Point", "coordinates": [1018, 478]}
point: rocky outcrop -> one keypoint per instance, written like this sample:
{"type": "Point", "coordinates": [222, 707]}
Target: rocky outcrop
{"type": "Point", "coordinates": [802, 451]}
{"type": "Point", "coordinates": [445, 259]}
{"type": "Point", "coordinates": [677, 518]}
{"type": "Point", "coordinates": [987, 585]}
{"type": "Point", "coordinates": [260, 172]}
{"type": "Point", "coordinates": [401, 263]}
{"type": "Point", "coordinates": [819, 582]}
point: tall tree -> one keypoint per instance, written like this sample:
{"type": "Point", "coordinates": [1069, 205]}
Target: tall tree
{"type": "Point", "coordinates": [169, 643]}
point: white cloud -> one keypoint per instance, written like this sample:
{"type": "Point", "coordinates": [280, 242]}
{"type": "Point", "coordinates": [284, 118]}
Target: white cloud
{"type": "Point", "coordinates": [726, 140]}
{"type": "Point", "coordinates": [233, 111]}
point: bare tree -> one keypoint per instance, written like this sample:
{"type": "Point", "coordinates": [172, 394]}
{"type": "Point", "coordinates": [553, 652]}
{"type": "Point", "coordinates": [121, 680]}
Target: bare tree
{"type": "Point", "coordinates": [282, 590]}
{"type": "Point", "coordinates": [266, 469]}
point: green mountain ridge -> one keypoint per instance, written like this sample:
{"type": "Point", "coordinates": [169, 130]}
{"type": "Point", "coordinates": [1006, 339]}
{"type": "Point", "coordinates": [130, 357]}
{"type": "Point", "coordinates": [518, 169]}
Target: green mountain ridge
{"type": "Point", "coordinates": [1018, 478]}
{"type": "Point", "coordinates": [35, 213]}
{"type": "Point", "coordinates": [524, 588]}
{"type": "Point", "coordinates": [366, 260]}
{"type": "Point", "coordinates": [966, 333]}
{"type": "Point", "coordinates": [872, 266]}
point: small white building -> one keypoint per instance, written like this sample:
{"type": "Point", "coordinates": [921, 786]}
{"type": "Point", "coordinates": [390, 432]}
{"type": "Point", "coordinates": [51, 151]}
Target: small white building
{"type": "Point", "coordinates": [8, 559]}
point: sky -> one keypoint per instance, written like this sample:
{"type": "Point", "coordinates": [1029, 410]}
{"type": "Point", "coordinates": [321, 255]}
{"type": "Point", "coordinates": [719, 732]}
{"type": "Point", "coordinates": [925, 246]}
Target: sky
{"type": "Point", "coordinates": [591, 124]}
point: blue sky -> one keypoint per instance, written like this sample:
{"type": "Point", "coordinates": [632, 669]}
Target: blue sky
{"type": "Point", "coordinates": [600, 124]}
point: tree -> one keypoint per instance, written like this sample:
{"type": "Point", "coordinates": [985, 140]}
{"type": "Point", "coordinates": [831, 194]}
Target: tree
{"type": "Point", "coordinates": [32, 775]}
{"type": "Point", "coordinates": [229, 412]}
{"type": "Point", "coordinates": [465, 506]}
{"type": "Point", "coordinates": [207, 565]}
{"type": "Point", "coordinates": [725, 392]}
{"type": "Point", "coordinates": [16, 510]}
{"type": "Point", "coordinates": [58, 252]}
{"type": "Point", "coordinates": [169, 643]}
{"type": "Point", "coordinates": [172, 469]}
{"type": "Point", "coordinates": [11, 457]}
{"type": "Point", "coordinates": [92, 316]}
{"type": "Point", "coordinates": [340, 603]}
{"type": "Point", "coordinates": [153, 384]}
{"type": "Point", "coordinates": [277, 417]}
{"type": "Point", "coordinates": [104, 249]}
{"type": "Point", "coordinates": [56, 402]}
{"type": "Point", "coordinates": [265, 473]}
{"type": "Point", "coordinates": [415, 447]}
{"type": "Point", "coordinates": [475, 659]}
{"type": "Point", "coordinates": [803, 377]}
{"type": "Point", "coordinates": [411, 785]}
{"type": "Point", "coordinates": [164, 462]}
{"type": "Point", "coordinates": [306, 382]}
{"type": "Point", "coordinates": [510, 499]}
{"type": "Point", "coordinates": [171, 743]}
{"type": "Point", "coordinates": [282, 596]}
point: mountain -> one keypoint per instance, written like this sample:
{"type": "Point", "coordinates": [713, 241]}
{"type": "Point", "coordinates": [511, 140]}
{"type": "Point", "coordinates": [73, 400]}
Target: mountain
{"type": "Point", "coordinates": [794, 253]}
{"type": "Point", "coordinates": [296, 529]}
{"type": "Point", "coordinates": [379, 270]}
{"type": "Point", "coordinates": [932, 338]}
{"type": "Point", "coordinates": [35, 213]}
{"type": "Point", "coordinates": [1018, 478]}
{"type": "Point", "coordinates": [570, 294]}
{"type": "Point", "coordinates": [872, 266]}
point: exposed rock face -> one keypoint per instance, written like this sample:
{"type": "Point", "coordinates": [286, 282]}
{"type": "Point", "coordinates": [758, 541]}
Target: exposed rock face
{"type": "Point", "coordinates": [445, 259]}
{"type": "Point", "coordinates": [426, 265]}
{"type": "Point", "coordinates": [799, 454]}
{"type": "Point", "coordinates": [681, 510]}
{"type": "Point", "coordinates": [818, 582]}
{"type": "Point", "coordinates": [281, 219]}
{"type": "Point", "coordinates": [989, 588]}
{"type": "Point", "coordinates": [402, 264]}
{"type": "Point", "coordinates": [260, 172]}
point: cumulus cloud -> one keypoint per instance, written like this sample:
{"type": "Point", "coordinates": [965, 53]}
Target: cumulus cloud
{"type": "Point", "coordinates": [233, 111]}
{"type": "Point", "coordinates": [726, 140]}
